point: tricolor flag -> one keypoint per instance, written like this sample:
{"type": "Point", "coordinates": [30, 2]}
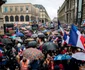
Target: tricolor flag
{"type": "Point", "coordinates": [66, 38]}
{"type": "Point", "coordinates": [1, 50]}
{"type": "Point", "coordinates": [76, 39]}
{"type": "Point", "coordinates": [59, 27]}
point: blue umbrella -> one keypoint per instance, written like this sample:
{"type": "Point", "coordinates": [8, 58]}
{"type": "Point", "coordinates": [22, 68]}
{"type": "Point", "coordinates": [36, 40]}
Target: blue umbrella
{"type": "Point", "coordinates": [19, 34]}
{"type": "Point", "coordinates": [62, 57]}
{"type": "Point", "coordinates": [59, 57]}
{"type": "Point", "coordinates": [13, 37]}
{"type": "Point", "coordinates": [66, 57]}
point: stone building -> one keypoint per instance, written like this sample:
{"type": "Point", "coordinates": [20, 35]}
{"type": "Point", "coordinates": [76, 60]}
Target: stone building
{"type": "Point", "coordinates": [67, 13]}
{"type": "Point", "coordinates": [83, 16]}
{"type": "Point", "coordinates": [1, 15]}
{"type": "Point", "coordinates": [44, 17]}
{"type": "Point", "coordinates": [19, 13]}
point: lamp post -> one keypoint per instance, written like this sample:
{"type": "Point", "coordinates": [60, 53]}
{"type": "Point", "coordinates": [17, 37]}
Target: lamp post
{"type": "Point", "coordinates": [79, 12]}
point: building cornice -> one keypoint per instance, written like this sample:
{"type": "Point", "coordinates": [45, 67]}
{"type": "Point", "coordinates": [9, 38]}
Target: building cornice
{"type": "Point", "coordinates": [63, 5]}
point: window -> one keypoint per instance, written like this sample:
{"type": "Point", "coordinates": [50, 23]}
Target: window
{"type": "Point", "coordinates": [27, 18]}
{"type": "Point", "coordinates": [21, 8]}
{"type": "Point", "coordinates": [16, 18]}
{"type": "Point", "coordinates": [26, 7]}
{"type": "Point", "coordinates": [11, 18]}
{"type": "Point", "coordinates": [11, 9]}
{"type": "Point", "coordinates": [6, 19]}
{"type": "Point", "coordinates": [21, 18]}
{"type": "Point", "coordinates": [5, 9]}
{"type": "Point", "coordinates": [16, 9]}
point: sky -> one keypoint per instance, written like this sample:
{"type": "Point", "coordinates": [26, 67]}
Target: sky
{"type": "Point", "coordinates": [51, 6]}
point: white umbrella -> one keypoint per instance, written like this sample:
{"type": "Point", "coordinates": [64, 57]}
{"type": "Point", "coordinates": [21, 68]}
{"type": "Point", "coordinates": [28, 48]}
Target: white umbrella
{"type": "Point", "coordinates": [18, 39]}
{"type": "Point", "coordinates": [79, 56]}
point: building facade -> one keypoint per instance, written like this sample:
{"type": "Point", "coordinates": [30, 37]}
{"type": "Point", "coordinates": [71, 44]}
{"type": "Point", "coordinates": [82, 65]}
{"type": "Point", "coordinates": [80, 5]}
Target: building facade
{"type": "Point", "coordinates": [67, 13]}
{"type": "Point", "coordinates": [83, 16]}
{"type": "Point", "coordinates": [19, 13]}
{"type": "Point", "coordinates": [55, 20]}
{"type": "Point", "coordinates": [44, 17]}
{"type": "Point", "coordinates": [1, 15]}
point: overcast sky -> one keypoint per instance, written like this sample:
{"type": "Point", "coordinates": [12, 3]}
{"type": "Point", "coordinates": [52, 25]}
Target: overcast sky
{"type": "Point", "coordinates": [51, 5]}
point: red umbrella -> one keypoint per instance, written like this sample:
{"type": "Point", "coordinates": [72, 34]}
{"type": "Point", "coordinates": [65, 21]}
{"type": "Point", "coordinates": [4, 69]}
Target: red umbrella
{"type": "Point", "coordinates": [5, 36]}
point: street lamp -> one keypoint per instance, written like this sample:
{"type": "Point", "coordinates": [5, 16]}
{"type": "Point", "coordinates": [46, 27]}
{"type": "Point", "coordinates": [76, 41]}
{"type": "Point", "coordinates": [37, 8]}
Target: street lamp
{"type": "Point", "coordinates": [79, 11]}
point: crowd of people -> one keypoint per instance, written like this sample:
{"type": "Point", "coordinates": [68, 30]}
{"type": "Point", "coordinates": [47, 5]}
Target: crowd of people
{"type": "Point", "coordinates": [47, 40]}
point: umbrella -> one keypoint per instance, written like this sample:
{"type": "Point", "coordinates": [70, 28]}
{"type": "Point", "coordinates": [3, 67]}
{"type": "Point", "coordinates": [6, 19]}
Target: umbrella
{"type": "Point", "coordinates": [28, 34]}
{"type": "Point", "coordinates": [62, 57]}
{"type": "Point", "coordinates": [49, 46]}
{"type": "Point", "coordinates": [41, 35]}
{"type": "Point", "coordinates": [19, 34]}
{"type": "Point", "coordinates": [1, 44]}
{"type": "Point", "coordinates": [23, 28]}
{"type": "Point", "coordinates": [79, 56]}
{"type": "Point", "coordinates": [44, 31]}
{"type": "Point", "coordinates": [18, 39]}
{"type": "Point", "coordinates": [33, 54]}
{"type": "Point", "coordinates": [6, 41]}
{"type": "Point", "coordinates": [13, 37]}
{"type": "Point", "coordinates": [26, 31]}
{"type": "Point", "coordinates": [66, 57]}
{"type": "Point", "coordinates": [58, 57]}
{"type": "Point", "coordinates": [5, 36]}
{"type": "Point", "coordinates": [32, 44]}
{"type": "Point", "coordinates": [34, 35]}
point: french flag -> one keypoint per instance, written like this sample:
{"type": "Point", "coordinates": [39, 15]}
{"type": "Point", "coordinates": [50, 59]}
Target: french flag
{"type": "Point", "coordinates": [76, 39]}
{"type": "Point", "coordinates": [66, 38]}
{"type": "Point", "coordinates": [61, 29]}
{"type": "Point", "coordinates": [1, 50]}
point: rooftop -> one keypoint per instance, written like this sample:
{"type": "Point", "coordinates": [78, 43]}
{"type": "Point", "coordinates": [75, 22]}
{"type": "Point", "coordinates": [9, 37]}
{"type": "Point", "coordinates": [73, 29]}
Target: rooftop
{"type": "Point", "coordinates": [39, 6]}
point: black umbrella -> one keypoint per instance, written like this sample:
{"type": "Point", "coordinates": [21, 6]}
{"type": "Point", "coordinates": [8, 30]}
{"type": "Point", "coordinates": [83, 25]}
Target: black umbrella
{"type": "Point", "coordinates": [6, 41]}
{"type": "Point", "coordinates": [49, 46]}
{"type": "Point", "coordinates": [41, 35]}
{"type": "Point", "coordinates": [32, 44]}
{"type": "Point", "coordinates": [34, 36]}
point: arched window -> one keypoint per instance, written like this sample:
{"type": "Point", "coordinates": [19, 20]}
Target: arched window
{"type": "Point", "coordinates": [6, 18]}
{"type": "Point", "coordinates": [11, 18]}
{"type": "Point", "coordinates": [27, 18]}
{"type": "Point", "coordinates": [21, 18]}
{"type": "Point", "coordinates": [16, 18]}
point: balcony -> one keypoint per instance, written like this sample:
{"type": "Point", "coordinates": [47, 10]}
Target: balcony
{"type": "Point", "coordinates": [2, 2]}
